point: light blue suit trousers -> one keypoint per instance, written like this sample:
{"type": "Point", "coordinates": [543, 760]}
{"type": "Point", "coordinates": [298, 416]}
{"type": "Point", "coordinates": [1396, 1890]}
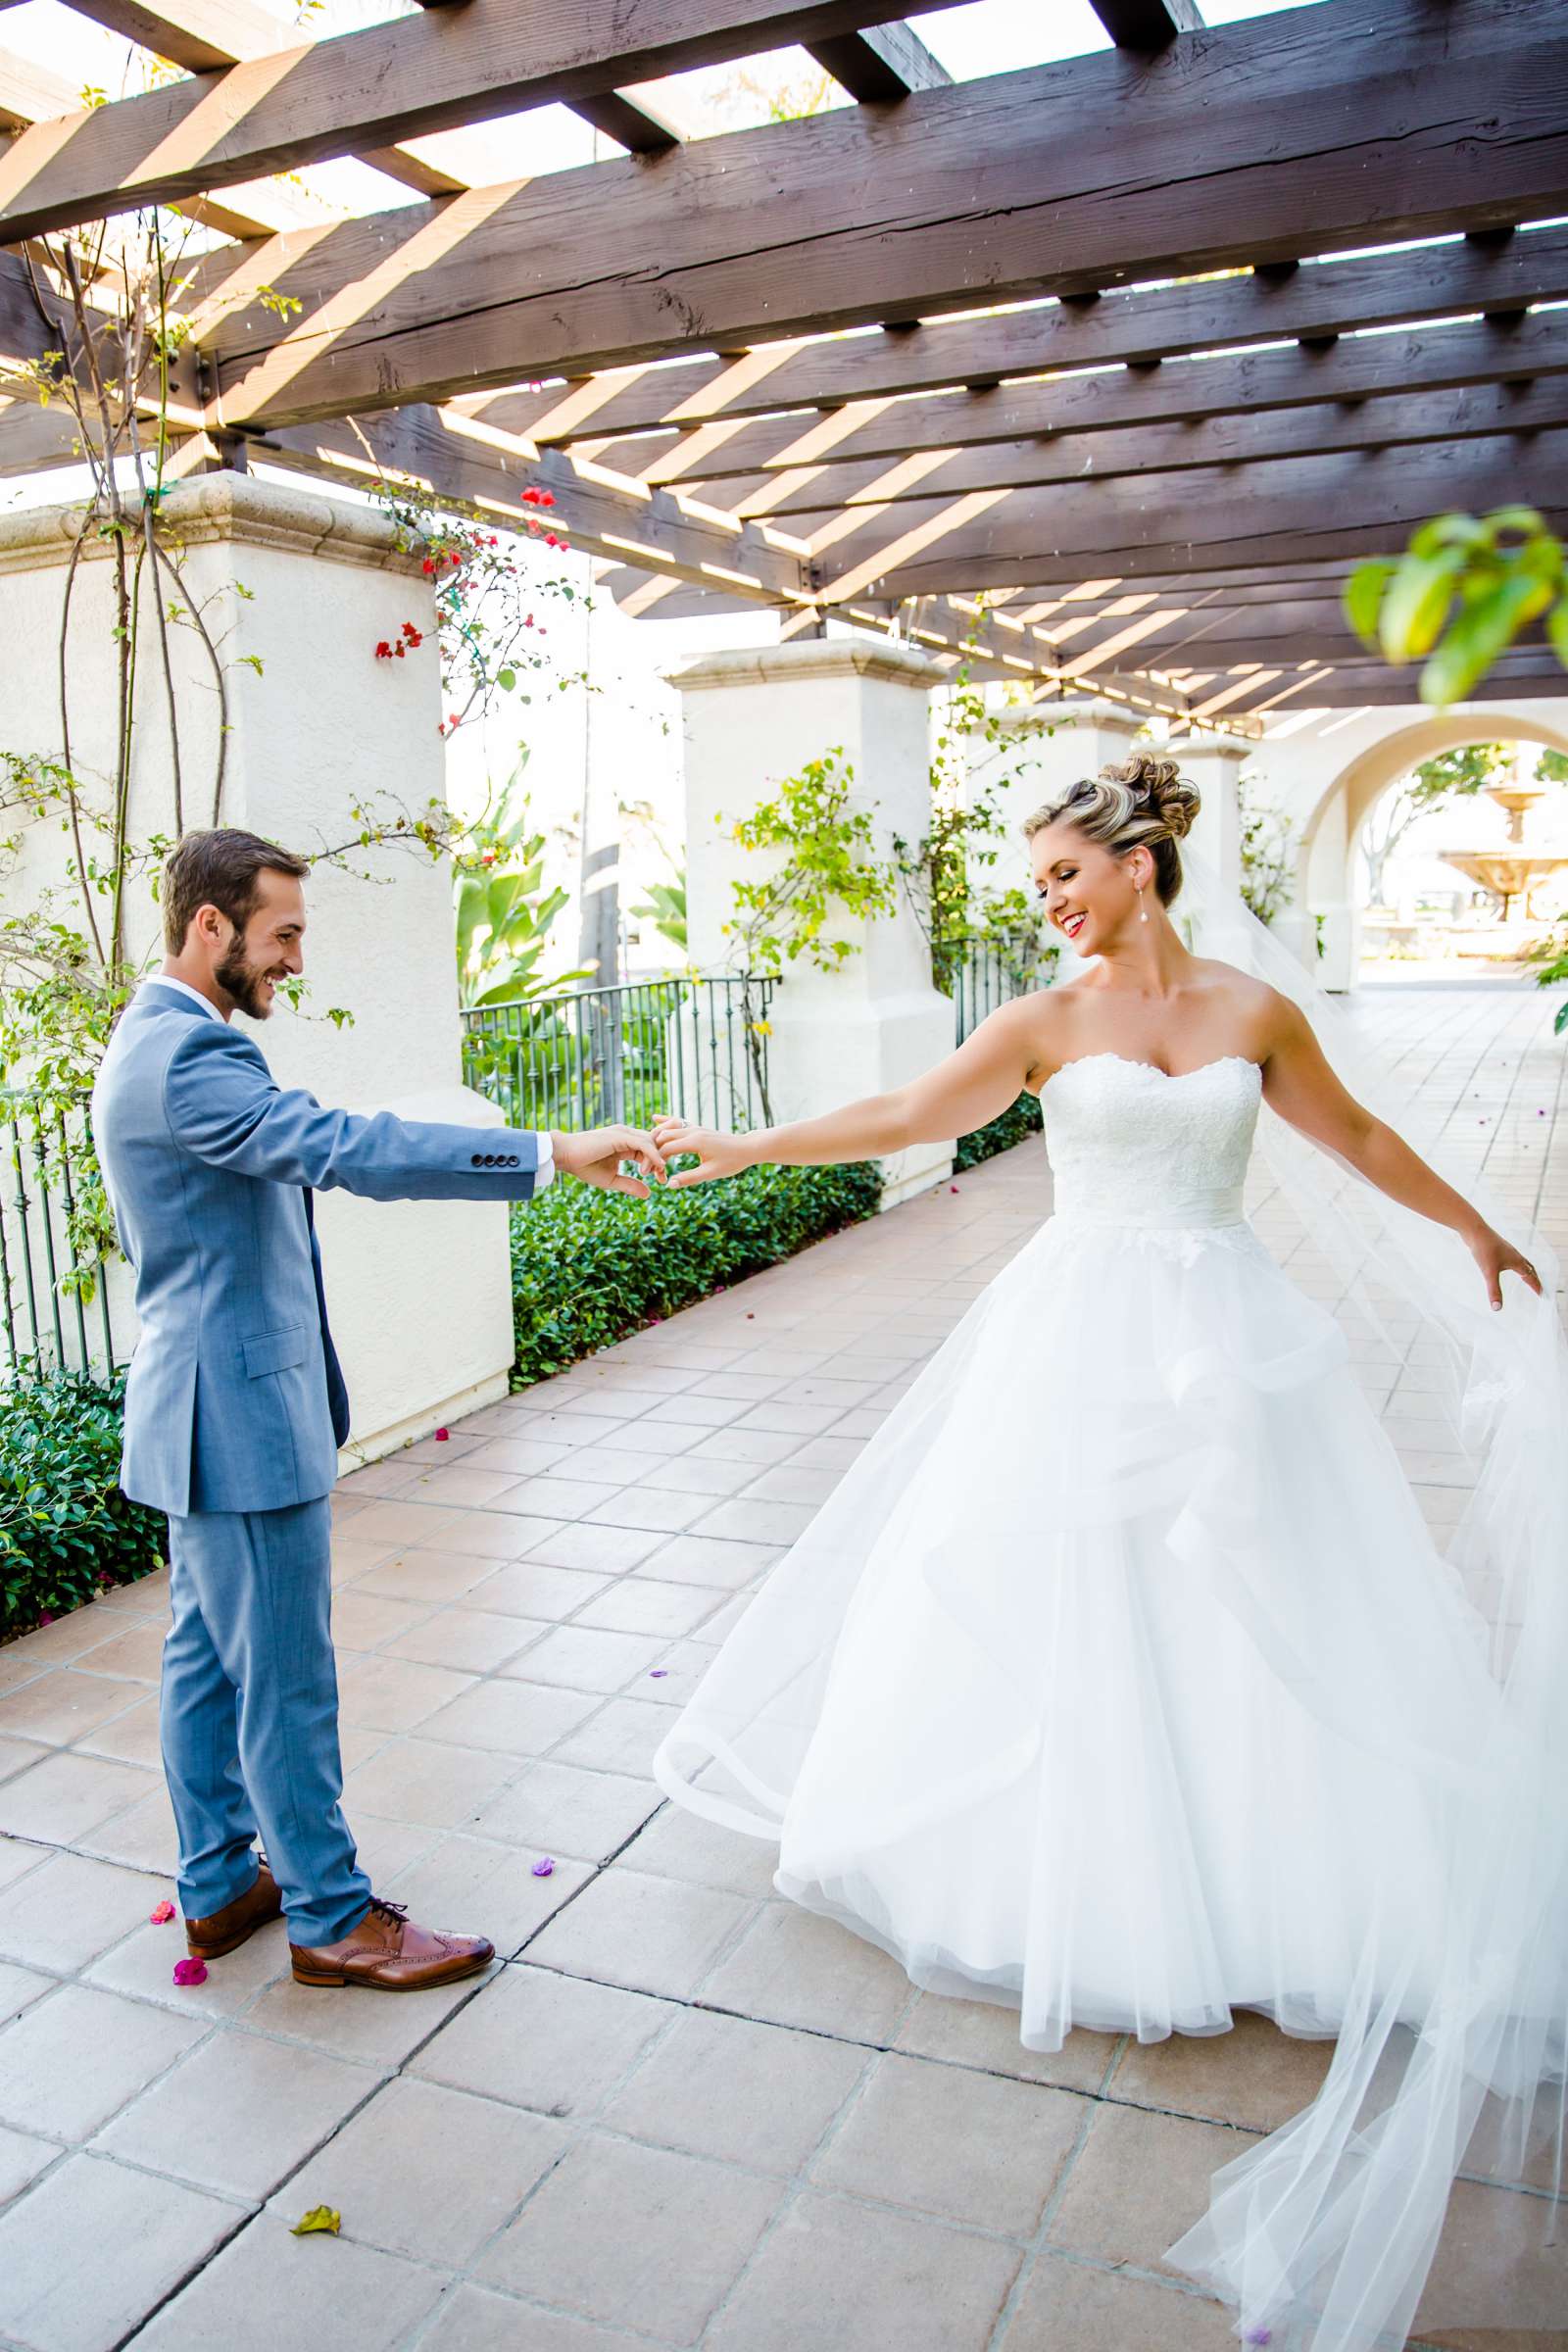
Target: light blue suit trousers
{"type": "Point", "coordinates": [249, 1717]}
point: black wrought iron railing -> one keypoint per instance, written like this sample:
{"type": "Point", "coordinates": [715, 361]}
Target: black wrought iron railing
{"type": "Point", "coordinates": [54, 1310]}
{"type": "Point", "coordinates": [987, 970]}
{"type": "Point", "coordinates": [690, 1043]}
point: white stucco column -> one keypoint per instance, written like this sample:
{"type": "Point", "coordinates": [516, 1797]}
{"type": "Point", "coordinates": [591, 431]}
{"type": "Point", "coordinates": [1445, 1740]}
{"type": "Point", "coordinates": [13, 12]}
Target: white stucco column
{"type": "Point", "coordinates": [1035, 752]}
{"type": "Point", "coordinates": [296, 591]}
{"type": "Point", "coordinates": [1214, 762]}
{"type": "Point", "coordinates": [1024, 768]}
{"type": "Point", "coordinates": [751, 719]}
{"type": "Point", "coordinates": [1336, 917]}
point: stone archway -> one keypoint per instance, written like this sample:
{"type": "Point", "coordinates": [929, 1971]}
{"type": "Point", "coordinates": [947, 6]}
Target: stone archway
{"type": "Point", "coordinates": [1328, 786]}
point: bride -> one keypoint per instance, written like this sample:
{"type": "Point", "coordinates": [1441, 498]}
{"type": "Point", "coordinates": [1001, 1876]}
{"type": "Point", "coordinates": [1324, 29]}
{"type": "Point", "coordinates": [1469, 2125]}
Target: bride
{"type": "Point", "coordinates": [1120, 1680]}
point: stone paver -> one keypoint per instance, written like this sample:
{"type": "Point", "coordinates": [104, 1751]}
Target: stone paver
{"type": "Point", "coordinates": [679, 2110]}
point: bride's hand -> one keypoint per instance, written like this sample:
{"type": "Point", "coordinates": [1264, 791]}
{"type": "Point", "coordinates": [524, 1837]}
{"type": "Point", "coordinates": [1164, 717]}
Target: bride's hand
{"type": "Point", "coordinates": [1497, 1257]}
{"type": "Point", "coordinates": [717, 1154]}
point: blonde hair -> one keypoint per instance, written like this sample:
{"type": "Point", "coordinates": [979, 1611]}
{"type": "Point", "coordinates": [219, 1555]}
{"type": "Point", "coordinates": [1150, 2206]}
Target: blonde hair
{"type": "Point", "coordinates": [1139, 803]}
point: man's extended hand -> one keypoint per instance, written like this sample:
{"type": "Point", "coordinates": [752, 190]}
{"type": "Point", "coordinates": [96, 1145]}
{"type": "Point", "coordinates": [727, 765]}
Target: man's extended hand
{"type": "Point", "coordinates": [595, 1156]}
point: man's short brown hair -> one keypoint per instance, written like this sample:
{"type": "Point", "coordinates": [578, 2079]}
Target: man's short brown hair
{"type": "Point", "coordinates": [219, 869]}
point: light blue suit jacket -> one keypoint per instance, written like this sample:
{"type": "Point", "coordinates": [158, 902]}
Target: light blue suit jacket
{"type": "Point", "coordinates": [209, 1164]}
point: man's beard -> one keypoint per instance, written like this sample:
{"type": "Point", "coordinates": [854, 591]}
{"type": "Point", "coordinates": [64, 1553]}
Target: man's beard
{"type": "Point", "coordinates": [242, 982]}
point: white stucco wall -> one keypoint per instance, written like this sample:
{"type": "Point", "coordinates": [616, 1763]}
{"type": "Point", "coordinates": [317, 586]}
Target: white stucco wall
{"type": "Point", "coordinates": [297, 590]}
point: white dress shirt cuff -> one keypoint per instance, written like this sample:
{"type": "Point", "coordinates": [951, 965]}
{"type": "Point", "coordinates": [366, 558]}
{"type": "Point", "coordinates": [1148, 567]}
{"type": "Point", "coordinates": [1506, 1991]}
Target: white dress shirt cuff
{"type": "Point", "coordinates": [547, 1163]}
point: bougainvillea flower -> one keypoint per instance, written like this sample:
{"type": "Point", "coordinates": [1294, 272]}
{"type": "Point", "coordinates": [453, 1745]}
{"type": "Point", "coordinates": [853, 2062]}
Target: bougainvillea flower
{"type": "Point", "coordinates": [656, 1674]}
{"type": "Point", "coordinates": [441, 1435]}
{"type": "Point", "coordinates": [544, 1869]}
{"type": "Point", "coordinates": [190, 1971]}
{"type": "Point", "coordinates": [161, 1915]}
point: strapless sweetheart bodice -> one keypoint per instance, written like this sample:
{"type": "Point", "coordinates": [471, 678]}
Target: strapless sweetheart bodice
{"type": "Point", "coordinates": [1132, 1145]}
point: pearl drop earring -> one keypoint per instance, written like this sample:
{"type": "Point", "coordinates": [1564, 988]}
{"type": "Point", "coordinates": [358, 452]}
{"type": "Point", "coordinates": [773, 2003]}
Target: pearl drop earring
{"type": "Point", "coordinates": [1143, 911]}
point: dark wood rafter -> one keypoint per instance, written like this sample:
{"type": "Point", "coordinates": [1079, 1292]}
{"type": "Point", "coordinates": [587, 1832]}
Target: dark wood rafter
{"type": "Point", "coordinates": [1527, 677]}
{"type": "Point", "coordinates": [1467, 412]}
{"type": "Point", "coordinates": [368, 90]}
{"type": "Point", "coordinates": [887, 214]}
{"type": "Point", "coordinates": [1501, 273]}
{"type": "Point", "coordinates": [881, 65]}
{"type": "Point", "coordinates": [1229, 390]}
{"type": "Point", "coordinates": [1147, 24]}
{"type": "Point", "coordinates": [427, 446]}
{"type": "Point", "coordinates": [1331, 508]}
{"type": "Point", "coordinates": [207, 37]}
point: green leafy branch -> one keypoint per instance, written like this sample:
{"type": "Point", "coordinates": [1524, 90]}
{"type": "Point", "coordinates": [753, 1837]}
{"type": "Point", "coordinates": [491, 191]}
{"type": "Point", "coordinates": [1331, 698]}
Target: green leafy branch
{"type": "Point", "coordinates": [1462, 593]}
{"type": "Point", "coordinates": [827, 868]}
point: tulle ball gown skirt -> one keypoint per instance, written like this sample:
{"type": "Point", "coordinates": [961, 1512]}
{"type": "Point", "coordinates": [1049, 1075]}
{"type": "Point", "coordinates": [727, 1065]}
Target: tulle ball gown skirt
{"type": "Point", "coordinates": [1119, 1680]}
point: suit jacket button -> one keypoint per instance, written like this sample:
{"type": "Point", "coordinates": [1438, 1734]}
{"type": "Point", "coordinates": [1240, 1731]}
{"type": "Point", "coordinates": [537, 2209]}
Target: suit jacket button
{"type": "Point", "coordinates": [478, 1161]}
{"type": "Point", "coordinates": [512, 1159]}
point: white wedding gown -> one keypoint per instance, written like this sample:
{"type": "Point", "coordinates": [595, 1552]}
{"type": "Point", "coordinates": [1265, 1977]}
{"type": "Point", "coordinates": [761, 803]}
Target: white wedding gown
{"type": "Point", "coordinates": [1120, 1680]}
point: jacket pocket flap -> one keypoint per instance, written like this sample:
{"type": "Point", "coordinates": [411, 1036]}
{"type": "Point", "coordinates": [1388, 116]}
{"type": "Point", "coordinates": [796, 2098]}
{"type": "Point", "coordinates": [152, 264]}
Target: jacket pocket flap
{"type": "Point", "coordinates": [274, 1351]}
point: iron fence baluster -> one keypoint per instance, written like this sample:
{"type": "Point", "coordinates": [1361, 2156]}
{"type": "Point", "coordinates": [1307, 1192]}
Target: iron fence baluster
{"type": "Point", "coordinates": [20, 1203]}
{"type": "Point", "coordinates": [68, 1196]}
{"type": "Point", "coordinates": [6, 1308]}
{"type": "Point", "coordinates": [713, 1055]}
{"type": "Point", "coordinates": [685, 1003]}
{"type": "Point", "coordinates": [40, 1161]}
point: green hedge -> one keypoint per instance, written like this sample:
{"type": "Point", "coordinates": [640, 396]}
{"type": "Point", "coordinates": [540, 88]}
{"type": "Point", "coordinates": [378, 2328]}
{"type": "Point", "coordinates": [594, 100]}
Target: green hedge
{"type": "Point", "coordinates": [1013, 1126]}
{"type": "Point", "coordinates": [589, 1266]}
{"type": "Point", "coordinates": [66, 1529]}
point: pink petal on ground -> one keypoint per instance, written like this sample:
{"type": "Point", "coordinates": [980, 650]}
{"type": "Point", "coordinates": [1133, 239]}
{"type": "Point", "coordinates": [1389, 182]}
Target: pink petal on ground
{"type": "Point", "coordinates": [544, 1869]}
{"type": "Point", "coordinates": [190, 1972]}
{"type": "Point", "coordinates": [162, 1915]}
{"type": "Point", "coordinates": [441, 1435]}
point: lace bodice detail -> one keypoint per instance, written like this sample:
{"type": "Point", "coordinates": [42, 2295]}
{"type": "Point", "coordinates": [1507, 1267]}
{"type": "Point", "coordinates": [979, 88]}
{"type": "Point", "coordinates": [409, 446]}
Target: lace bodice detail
{"type": "Point", "coordinates": [1130, 1145]}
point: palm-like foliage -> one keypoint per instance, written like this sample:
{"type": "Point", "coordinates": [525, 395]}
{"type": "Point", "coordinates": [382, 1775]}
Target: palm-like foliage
{"type": "Point", "coordinates": [667, 909]}
{"type": "Point", "coordinates": [504, 909]}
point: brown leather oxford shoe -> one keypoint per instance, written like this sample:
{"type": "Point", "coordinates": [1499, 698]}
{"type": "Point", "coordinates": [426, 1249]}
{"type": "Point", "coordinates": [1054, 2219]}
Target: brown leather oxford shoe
{"type": "Point", "coordinates": [226, 1930]}
{"type": "Point", "coordinates": [388, 1951]}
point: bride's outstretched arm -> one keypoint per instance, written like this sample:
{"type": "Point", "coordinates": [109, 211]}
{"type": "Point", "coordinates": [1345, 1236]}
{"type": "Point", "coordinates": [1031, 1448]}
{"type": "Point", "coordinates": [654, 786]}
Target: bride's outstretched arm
{"type": "Point", "coordinates": [1300, 1084]}
{"type": "Point", "coordinates": [975, 1084]}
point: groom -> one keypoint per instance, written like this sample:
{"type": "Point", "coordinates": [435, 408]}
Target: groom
{"type": "Point", "coordinates": [235, 1405]}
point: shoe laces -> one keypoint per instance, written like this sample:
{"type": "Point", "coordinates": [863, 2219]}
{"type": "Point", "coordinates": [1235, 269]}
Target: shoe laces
{"type": "Point", "coordinates": [396, 1914]}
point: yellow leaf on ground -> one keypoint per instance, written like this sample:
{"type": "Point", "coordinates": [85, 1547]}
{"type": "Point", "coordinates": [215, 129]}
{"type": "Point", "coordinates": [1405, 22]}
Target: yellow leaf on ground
{"type": "Point", "coordinates": [320, 2217]}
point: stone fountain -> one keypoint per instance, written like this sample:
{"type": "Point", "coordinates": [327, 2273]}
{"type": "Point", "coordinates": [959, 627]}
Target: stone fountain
{"type": "Point", "coordinates": [1514, 873]}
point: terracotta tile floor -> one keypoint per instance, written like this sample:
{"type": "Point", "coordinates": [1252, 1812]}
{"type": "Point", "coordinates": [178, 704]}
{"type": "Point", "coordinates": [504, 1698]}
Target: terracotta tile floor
{"type": "Point", "coordinates": [679, 2112]}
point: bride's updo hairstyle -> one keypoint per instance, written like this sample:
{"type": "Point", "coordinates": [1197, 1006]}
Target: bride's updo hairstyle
{"type": "Point", "coordinates": [1140, 803]}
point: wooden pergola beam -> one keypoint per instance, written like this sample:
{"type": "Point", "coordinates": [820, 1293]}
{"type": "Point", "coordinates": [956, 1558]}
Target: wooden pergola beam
{"type": "Point", "coordinates": [359, 92]}
{"type": "Point", "coordinates": [207, 37]}
{"type": "Point", "coordinates": [1312, 508]}
{"type": "Point", "coordinates": [1230, 389]}
{"type": "Point", "coordinates": [433, 448]}
{"type": "Point", "coordinates": [1527, 677]}
{"type": "Point", "coordinates": [956, 195]}
{"type": "Point", "coordinates": [1136, 325]}
{"type": "Point", "coordinates": [1466, 412]}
